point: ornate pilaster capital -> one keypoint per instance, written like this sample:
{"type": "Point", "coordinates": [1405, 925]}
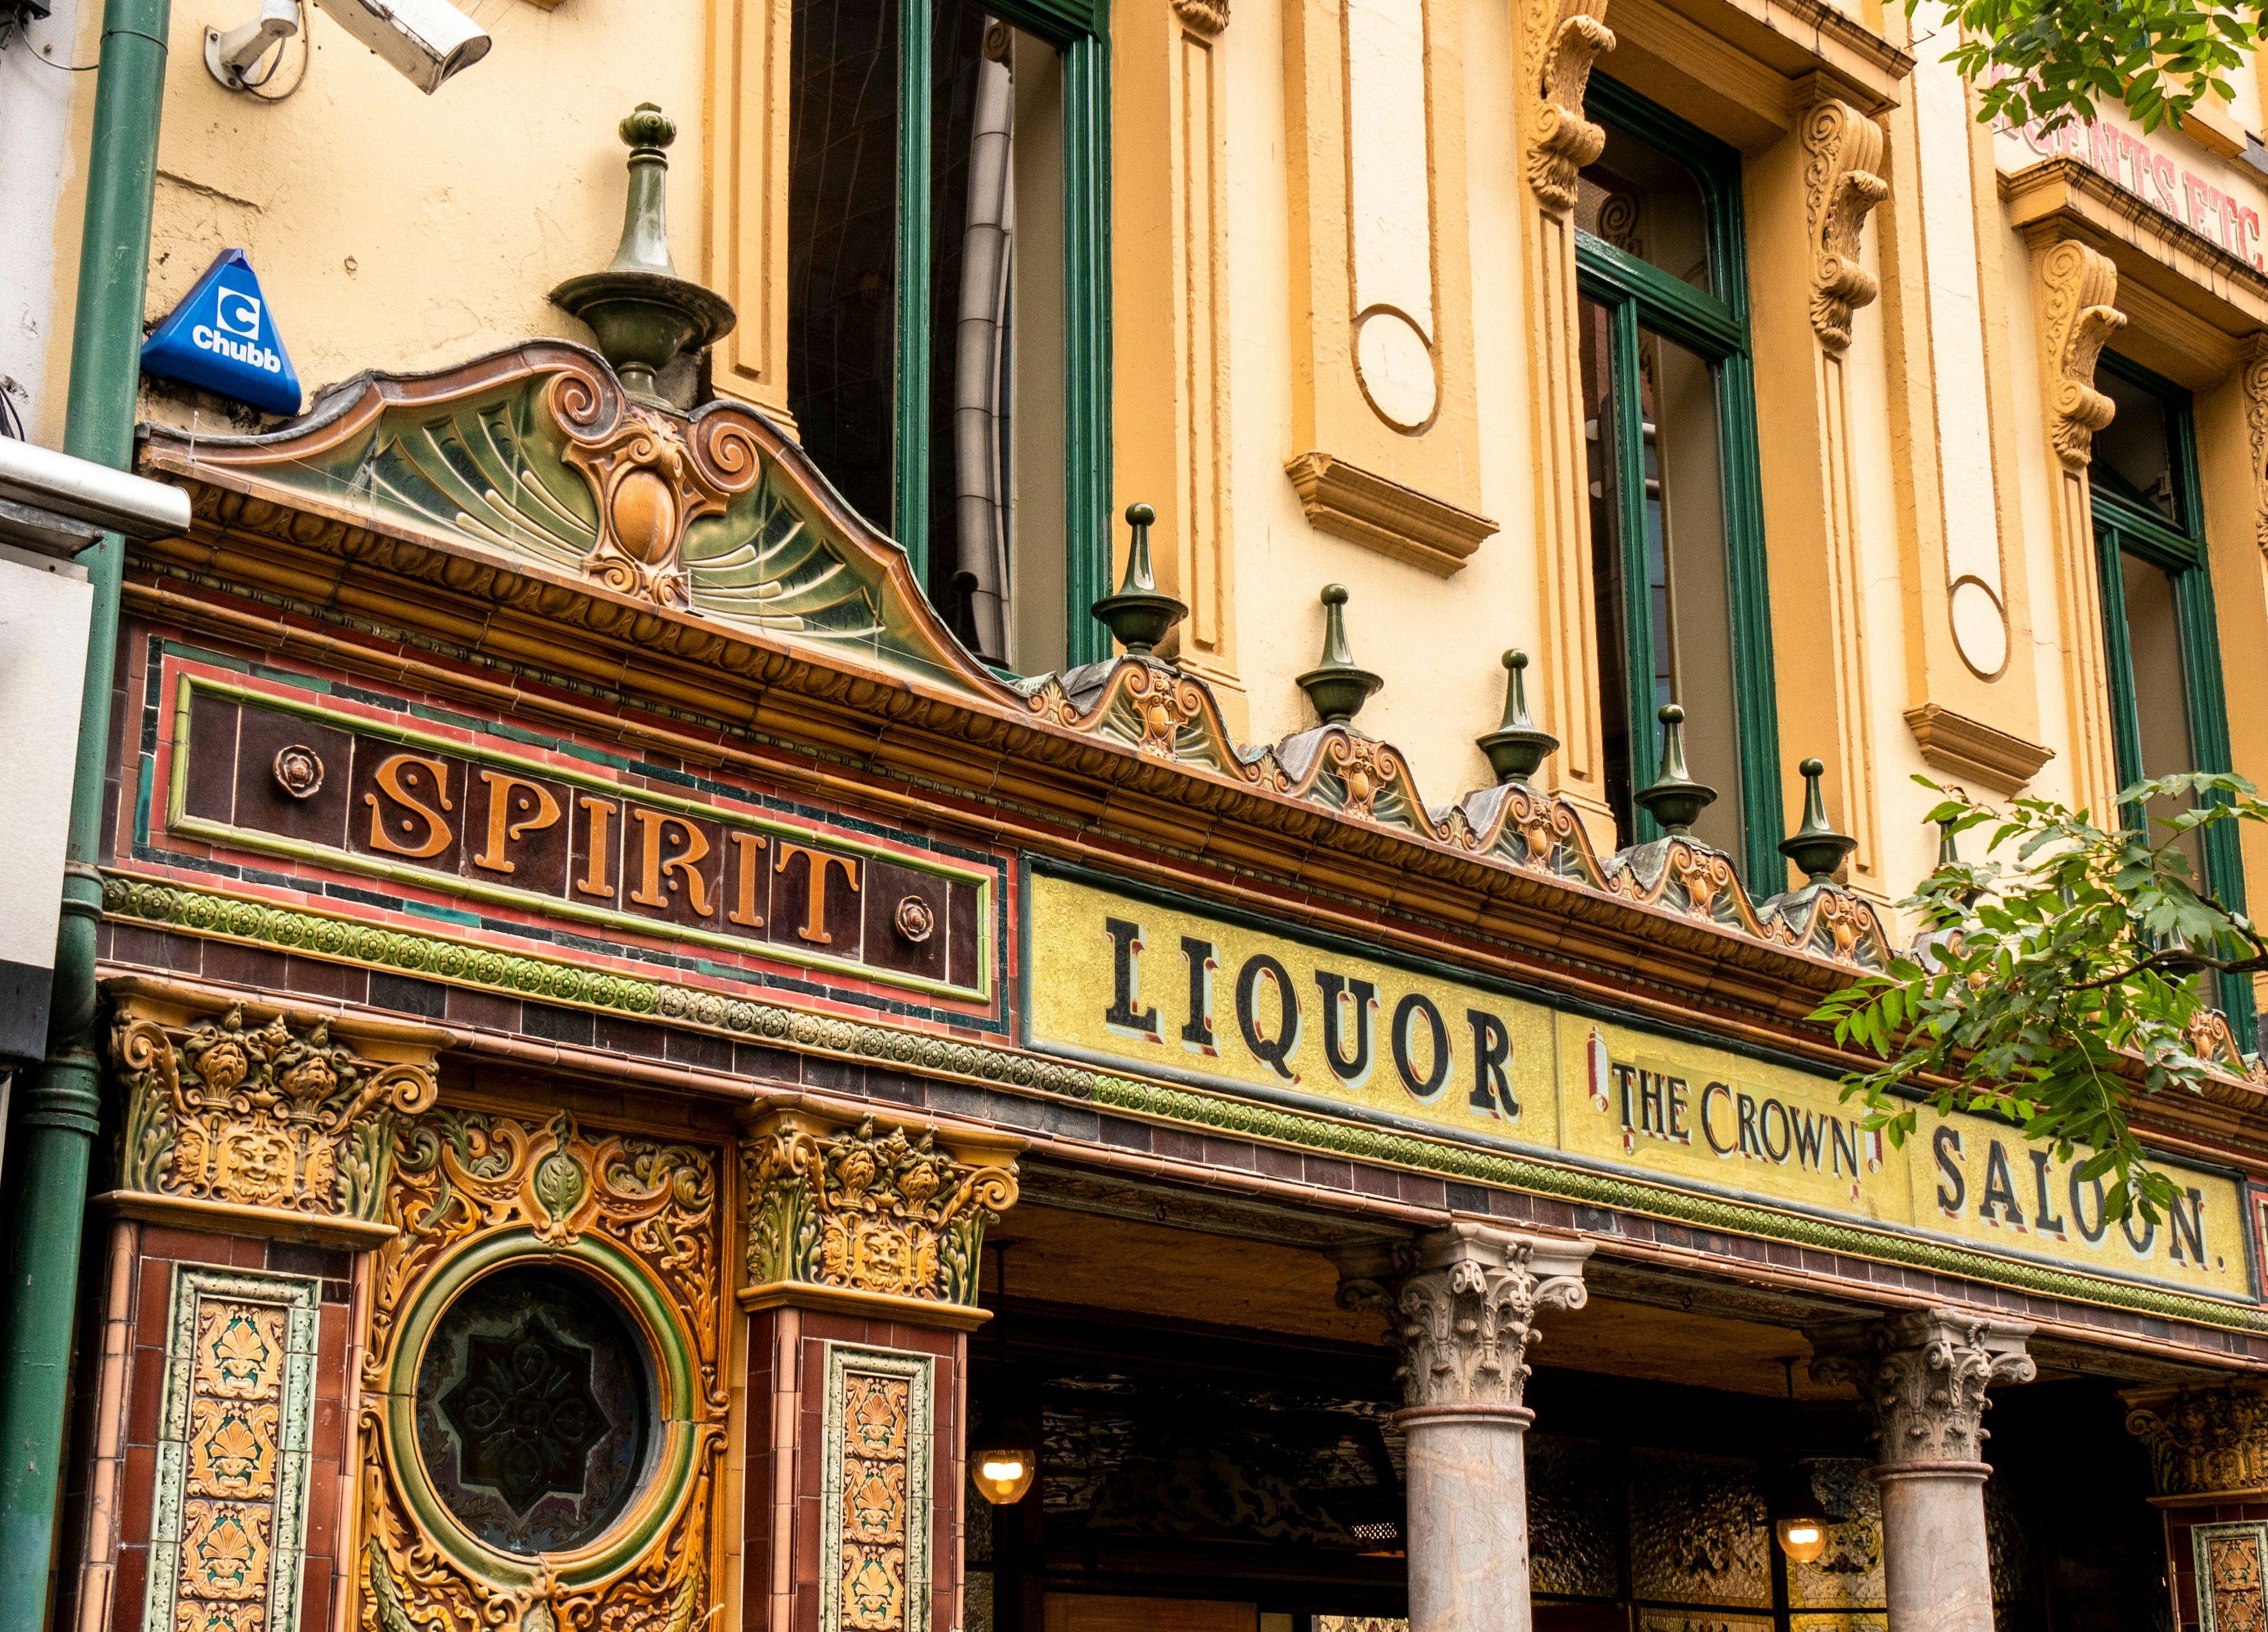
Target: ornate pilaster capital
{"type": "Point", "coordinates": [1922, 1376]}
{"type": "Point", "coordinates": [1567, 37]}
{"type": "Point", "coordinates": [870, 1210]}
{"type": "Point", "coordinates": [2076, 287]}
{"type": "Point", "coordinates": [2256, 425]}
{"type": "Point", "coordinates": [258, 1118]}
{"type": "Point", "coordinates": [1842, 184]}
{"type": "Point", "coordinates": [2206, 1444]}
{"type": "Point", "coordinates": [1460, 1305]}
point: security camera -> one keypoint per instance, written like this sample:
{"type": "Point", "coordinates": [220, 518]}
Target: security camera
{"type": "Point", "coordinates": [229, 56]}
{"type": "Point", "coordinates": [426, 41]}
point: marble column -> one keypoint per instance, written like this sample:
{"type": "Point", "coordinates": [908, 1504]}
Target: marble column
{"type": "Point", "coordinates": [1461, 1305]}
{"type": "Point", "coordinates": [1922, 1376]}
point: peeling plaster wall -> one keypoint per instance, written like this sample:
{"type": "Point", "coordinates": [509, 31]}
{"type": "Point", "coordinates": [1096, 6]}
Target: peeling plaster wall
{"type": "Point", "coordinates": [398, 232]}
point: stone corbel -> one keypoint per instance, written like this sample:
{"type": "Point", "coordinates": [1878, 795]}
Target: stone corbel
{"type": "Point", "coordinates": [1842, 157]}
{"type": "Point", "coordinates": [866, 1216]}
{"type": "Point", "coordinates": [257, 1119]}
{"type": "Point", "coordinates": [1460, 1305]}
{"type": "Point", "coordinates": [1208, 17]}
{"type": "Point", "coordinates": [1562, 141]}
{"type": "Point", "coordinates": [2077, 319]}
{"type": "Point", "coordinates": [1922, 1376]}
{"type": "Point", "coordinates": [2208, 1445]}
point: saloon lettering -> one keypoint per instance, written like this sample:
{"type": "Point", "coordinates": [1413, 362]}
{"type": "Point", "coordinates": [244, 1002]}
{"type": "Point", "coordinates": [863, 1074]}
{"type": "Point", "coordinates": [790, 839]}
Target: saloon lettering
{"type": "Point", "coordinates": [2061, 1206]}
{"type": "Point", "coordinates": [479, 824]}
{"type": "Point", "coordinates": [1272, 1008]}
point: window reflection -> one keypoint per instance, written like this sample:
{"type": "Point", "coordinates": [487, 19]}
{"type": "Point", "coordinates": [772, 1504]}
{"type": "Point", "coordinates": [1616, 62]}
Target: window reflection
{"type": "Point", "coordinates": [1645, 203]}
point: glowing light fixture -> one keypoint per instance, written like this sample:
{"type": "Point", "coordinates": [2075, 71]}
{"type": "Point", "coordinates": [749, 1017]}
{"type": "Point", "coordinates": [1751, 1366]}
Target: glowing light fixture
{"type": "Point", "coordinates": [1801, 1536]}
{"type": "Point", "coordinates": [1004, 1473]}
{"type": "Point", "coordinates": [1798, 1521]}
{"type": "Point", "coordinates": [1004, 1453]}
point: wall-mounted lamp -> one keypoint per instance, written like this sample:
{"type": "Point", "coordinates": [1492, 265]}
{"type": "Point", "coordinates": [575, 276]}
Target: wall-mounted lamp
{"type": "Point", "coordinates": [229, 56]}
{"type": "Point", "coordinates": [1800, 1520]}
{"type": "Point", "coordinates": [1004, 1453]}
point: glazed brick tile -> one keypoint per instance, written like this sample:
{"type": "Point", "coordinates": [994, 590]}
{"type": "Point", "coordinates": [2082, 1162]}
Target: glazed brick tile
{"type": "Point", "coordinates": [1126, 1135]}
{"type": "Point", "coordinates": [1275, 1162]}
{"type": "Point", "coordinates": [638, 1037]}
{"type": "Point", "coordinates": [322, 1519]}
{"type": "Point", "coordinates": [128, 1586]}
{"type": "Point", "coordinates": [1234, 1154]}
{"type": "Point", "coordinates": [1424, 1190]}
{"type": "Point", "coordinates": [144, 1413]}
{"type": "Point", "coordinates": [403, 993]}
{"type": "Point", "coordinates": [834, 1076]}
{"type": "Point", "coordinates": [153, 949]}
{"type": "Point", "coordinates": [571, 1026]}
{"type": "Point", "coordinates": [1073, 1121]}
{"type": "Point", "coordinates": [1467, 1198]}
{"type": "Point", "coordinates": [252, 966]}
{"type": "Point", "coordinates": [482, 1008]}
{"type": "Point", "coordinates": [1180, 1145]}
{"type": "Point", "coordinates": [767, 1065]}
{"type": "Point", "coordinates": [698, 1049]}
{"type": "Point", "coordinates": [185, 1245]}
{"type": "Point", "coordinates": [341, 982]}
{"type": "Point", "coordinates": [1329, 1174]}
{"type": "Point", "coordinates": [139, 1492]}
{"type": "Point", "coordinates": [317, 1263]}
{"type": "Point", "coordinates": [153, 1302]}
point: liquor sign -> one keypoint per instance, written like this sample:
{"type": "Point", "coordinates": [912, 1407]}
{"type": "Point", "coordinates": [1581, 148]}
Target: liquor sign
{"type": "Point", "coordinates": [253, 770]}
{"type": "Point", "coordinates": [1163, 988]}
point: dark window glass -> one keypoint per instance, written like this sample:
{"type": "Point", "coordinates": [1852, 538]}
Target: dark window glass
{"type": "Point", "coordinates": [1645, 203]}
{"type": "Point", "coordinates": [843, 167]}
{"type": "Point", "coordinates": [535, 1410]}
{"type": "Point", "coordinates": [2134, 455]}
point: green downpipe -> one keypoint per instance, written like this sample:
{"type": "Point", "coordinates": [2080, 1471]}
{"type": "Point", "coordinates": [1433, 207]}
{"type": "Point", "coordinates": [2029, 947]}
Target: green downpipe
{"type": "Point", "coordinates": [57, 1103]}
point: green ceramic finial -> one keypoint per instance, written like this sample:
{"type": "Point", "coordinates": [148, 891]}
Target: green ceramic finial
{"type": "Point", "coordinates": [1815, 846]}
{"type": "Point", "coordinates": [1516, 749]}
{"type": "Point", "coordinates": [1674, 801]}
{"type": "Point", "coordinates": [1139, 616]}
{"type": "Point", "coordinates": [643, 314]}
{"type": "Point", "coordinates": [645, 230]}
{"type": "Point", "coordinates": [1336, 687]}
{"type": "Point", "coordinates": [1948, 844]}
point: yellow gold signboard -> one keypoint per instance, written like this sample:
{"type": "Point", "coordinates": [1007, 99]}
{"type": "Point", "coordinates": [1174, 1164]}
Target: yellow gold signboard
{"type": "Point", "coordinates": [1165, 990]}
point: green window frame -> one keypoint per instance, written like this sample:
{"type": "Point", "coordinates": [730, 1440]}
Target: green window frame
{"type": "Point", "coordinates": [1081, 33]}
{"type": "Point", "coordinates": [2178, 548]}
{"type": "Point", "coordinates": [1714, 324]}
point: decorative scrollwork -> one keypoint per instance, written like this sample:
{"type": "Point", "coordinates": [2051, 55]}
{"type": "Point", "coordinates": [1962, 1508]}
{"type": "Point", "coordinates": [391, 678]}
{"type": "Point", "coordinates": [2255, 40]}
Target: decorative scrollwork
{"type": "Point", "coordinates": [2203, 1441]}
{"type": "Point", "coordinates": [1562, 141]}
{"type": "Point", "coordinates": [2077, 319]}
{"type": "Point", "coordinates": [1460, 1306]}
{"type": "Point", "coordinates": [867, 1210]}
{"type": "Point", "coordinates": [276, 1116]}
{"type": "Point", "coordinates": [1843, 151]}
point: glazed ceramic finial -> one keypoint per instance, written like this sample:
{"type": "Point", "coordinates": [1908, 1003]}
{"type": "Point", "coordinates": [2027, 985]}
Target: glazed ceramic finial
{"type": "Point", "coordinates": [1516, 749]}
{"type": "Point", "coordinates": [1336, 687]}
{"type": "Point", "coordinates": [1139, 615]}
{"type": "Point", "coordinates": [1815, 846]}
{"type": "Point", "coordinates": [1674, 801]}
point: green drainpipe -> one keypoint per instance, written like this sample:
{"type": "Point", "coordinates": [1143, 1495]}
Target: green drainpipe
{"type": "Point", "coordinates": [57, 1103]}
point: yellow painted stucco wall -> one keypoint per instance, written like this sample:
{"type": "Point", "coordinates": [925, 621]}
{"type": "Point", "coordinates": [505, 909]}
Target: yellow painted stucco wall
{"type": "Point", "coordinates": [398, 232]}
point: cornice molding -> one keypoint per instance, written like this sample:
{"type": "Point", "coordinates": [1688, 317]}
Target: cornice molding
{"type": "Point", "coordinates": [1954, 743]}
{"type": "Point", "coordinates": [1351, 503]}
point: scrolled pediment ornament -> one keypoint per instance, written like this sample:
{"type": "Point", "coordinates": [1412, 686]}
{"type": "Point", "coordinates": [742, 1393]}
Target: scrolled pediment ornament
{"type": "Point", "coordinates": [1922, 1377]}
{"type": "Point", "coordinates": [1842, 155]}
{"type": "Point", "coordinates": [2203, 1442]}
{"type": "Point", "coordinates": [1572, 34]}
{"type": "Point", "coordinates": [281, 1116]}
{"type": "Point", "coordinates": [869, 1210]}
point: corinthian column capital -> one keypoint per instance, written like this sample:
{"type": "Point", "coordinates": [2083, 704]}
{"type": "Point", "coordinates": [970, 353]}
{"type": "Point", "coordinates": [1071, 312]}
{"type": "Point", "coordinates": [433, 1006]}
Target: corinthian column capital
{"type": "Point", "coordinates": [1459, 1304]}
{"type": "Point", "coordinates": [1922, 1376]}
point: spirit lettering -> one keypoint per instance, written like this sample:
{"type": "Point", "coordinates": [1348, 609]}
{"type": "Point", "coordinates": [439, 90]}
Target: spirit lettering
{"type": "Point", "coordinates": [750, 849]}
{"type": "Point", "coordinates": [517, 807]}
{"type": "Point", "coordinates": [815, 865]}
{"type": "Point", "coordinates": [680, 869]}
{"type": "Point", "coordinates": [594, 881]}
{"type": "Point", "coordinates": [391, 776]}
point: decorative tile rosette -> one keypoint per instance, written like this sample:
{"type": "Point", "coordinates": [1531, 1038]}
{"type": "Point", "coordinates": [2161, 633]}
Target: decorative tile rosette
{"type": "Point", "coordinates": [626, 1231]}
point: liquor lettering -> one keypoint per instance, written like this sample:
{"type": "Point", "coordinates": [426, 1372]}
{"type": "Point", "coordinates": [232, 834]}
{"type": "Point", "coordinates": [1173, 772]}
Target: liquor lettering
{"type": "Point", "coordinates": [1318, 1027]}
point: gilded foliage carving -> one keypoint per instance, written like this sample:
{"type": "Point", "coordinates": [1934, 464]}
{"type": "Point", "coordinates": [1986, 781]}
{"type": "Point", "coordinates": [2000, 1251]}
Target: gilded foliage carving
{"type": "Point", "coordinates": [276, 1116]}
{"type": "Point", "coordinates": [2206, 1441]}
{"type": "Point", "coordinates": [1922, 1377]}
{"type": "Point", "coordinates": [1843, 153]}
{"type": "Point", "coordinates": [1570, 34]}
{"type": "Point", "coordinates": [867, 1210]}
{"type": "Point", "coordinates": [2077, 286]}
{"type": "Point", "coordinates": [1460, 1308]}
{"type": "Point", "coordinates": [466, 1181]}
